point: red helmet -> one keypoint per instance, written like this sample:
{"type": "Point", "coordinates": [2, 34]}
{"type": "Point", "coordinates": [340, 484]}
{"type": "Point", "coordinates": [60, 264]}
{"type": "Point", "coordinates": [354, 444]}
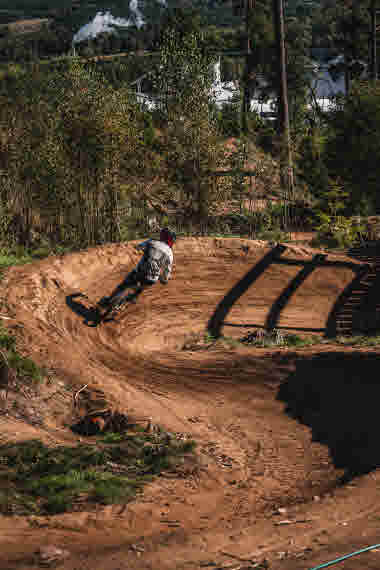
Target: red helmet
{"type": "Point", "coordinates": [168, 236]}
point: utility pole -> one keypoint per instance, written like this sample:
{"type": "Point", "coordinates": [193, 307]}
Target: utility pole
{"type": "Point", "coordinates": [283, 123]}
{"type": "Point", "coordinates": [373, 41]}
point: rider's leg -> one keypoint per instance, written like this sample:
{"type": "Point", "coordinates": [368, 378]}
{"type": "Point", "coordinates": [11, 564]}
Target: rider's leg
{"type": "Point", "coordinates": [143, 284]}
{"type": "Point", "coordinates": [131, 280]}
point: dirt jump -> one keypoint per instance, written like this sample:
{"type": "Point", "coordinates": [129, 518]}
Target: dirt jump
{"type": "Point", "coordinates": [287, 437]}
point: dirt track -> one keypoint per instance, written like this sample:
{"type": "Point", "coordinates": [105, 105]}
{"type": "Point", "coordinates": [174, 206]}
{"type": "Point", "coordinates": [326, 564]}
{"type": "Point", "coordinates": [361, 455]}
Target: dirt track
{"type": "Point", "coordinates": [275, 428]}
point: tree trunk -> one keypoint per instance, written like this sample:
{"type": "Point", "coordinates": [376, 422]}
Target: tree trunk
{"type": "Point", "coordinates": [373, 56]}
{"type": "Point", "coordinates": [246, 103]}
{"type": "Point", "coordinates": [283, 123]}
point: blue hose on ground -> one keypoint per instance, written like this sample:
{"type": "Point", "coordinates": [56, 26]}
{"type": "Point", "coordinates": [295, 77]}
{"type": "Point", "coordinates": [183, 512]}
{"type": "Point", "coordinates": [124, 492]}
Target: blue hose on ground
{"type": "Point", "coordinates": [344, 557]}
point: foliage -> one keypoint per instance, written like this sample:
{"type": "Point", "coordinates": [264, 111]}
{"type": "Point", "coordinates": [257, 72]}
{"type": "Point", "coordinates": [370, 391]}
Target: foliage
{"type": "Point", "coordinates": [228, 117]}
{"type": "Point", "coordinates": [266, 224]}
{"type": "Point", "coordinates": [268, 339]}
{"type": "Point", "coordinates": [357, 340]}
{"type": "Point", "coordinates": [353, 146]}
{"type": "Point", "coordinates": [190, 143]}
{"type": "Point", "coordinates": [71, 175]}
{"type": "Point", "coordinates": [258, 338]}
{"type": "Point", "coordinates": [333, 228]}
{"type": "Point", "coordinates": [70, 141]}
{"type": "Point", "coordinates": [311, 161]}
{"type": "Point", "coordinates": [43, 480]}
{"type": "Point", "coordinates": [337, 231]}
{"type": "Point", "coordinates": [21, 367]}
{"type": "Point", "coordinates": [17, 256]}
{"type": "Point", "coordinates": [275, 338]}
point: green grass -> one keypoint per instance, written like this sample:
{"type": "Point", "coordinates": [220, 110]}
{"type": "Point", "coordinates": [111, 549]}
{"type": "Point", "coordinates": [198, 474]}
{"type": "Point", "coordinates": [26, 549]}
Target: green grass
{"type": "Point", "coordinates": [356, 340]}
{"type": "Point", "coordinates": [297, 341]}
{"type": "Point", "coordinates": [8, 258]}
{"type": "Point", "coordinates": [43, 480]}
{"type": "Point", "coordinates": [23, 367]}
{"type": "Point", "coordinates": [20, 255]}
{"type": "Point", "coordinates": [276, 339]}
{"type": "Point", "coordinates": [267, 340]}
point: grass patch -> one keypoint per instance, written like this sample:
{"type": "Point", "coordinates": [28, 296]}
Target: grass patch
{"type": "Point", "coordinates": [8, 258]}
{"type": "Point", "coordinates": [274, 339]}
{"type": "Point", "coordinates": [20, 255]}
{"type": "Point", "coordinates": [356, 340]}
{"type": "Point", "coordinates": [24, 369]}
{"type": "Point", "coordinates": [42, 480]}
{"type": "Point", "coordinates": [261, 338]}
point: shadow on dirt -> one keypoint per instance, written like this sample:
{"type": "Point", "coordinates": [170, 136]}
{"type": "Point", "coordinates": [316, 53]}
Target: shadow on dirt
{"type": "Point", "coordinates": [257, 326]}
{"type": "Point", "coordinates": [350, 310]}
{"type": "Point", "coordinates": [89, 314]}
{"type": "Point", "coordinates": [216, 322]}
{"type": "Point", "coordinates": [337, 396]}
{"type": "Point", "coordinates": [284, 298]}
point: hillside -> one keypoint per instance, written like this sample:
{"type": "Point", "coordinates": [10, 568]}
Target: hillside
{"type": "Point", "coordinates": [73, 12]}
{"type": "Point", "coordinates": [53, 24]}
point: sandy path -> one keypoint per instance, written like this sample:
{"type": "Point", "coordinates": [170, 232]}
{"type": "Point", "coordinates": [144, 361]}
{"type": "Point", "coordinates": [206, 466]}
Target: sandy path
{"type": "Point", "coordinates": [256, 457]}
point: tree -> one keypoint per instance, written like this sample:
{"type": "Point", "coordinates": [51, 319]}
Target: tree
{"type": "Point", "coordinates": [373, 43]}
{"type": "Point", "coordinates": [353, 147]}
{"type": "Point", "coordinates": [282, 92]}
{"type": "Point", "coordinates": [71, 147]}
{"type": "Point", "coordinates": [256, 37]}
{"type": "Point", "coordinates": [190, 142]}
{"type": "Point", "coordinates": [348, 29]}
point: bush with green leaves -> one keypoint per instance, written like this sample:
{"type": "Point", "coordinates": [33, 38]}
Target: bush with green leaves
{"type": "Point", "coordinates": [229, 118]}
{"type": "Point", "coordinates": [337, 231]}
{"type": "Point", "coordinates": [190, 142]}
{"type": "Point", "coordinates": [334, 229]}
{"type": "Point", "coordinates": [69, 145]}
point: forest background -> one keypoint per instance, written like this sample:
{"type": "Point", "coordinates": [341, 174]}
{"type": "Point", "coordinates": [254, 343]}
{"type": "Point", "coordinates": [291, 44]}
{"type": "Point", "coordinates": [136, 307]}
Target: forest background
{"type": "Point", "coordinates": [84, 162]}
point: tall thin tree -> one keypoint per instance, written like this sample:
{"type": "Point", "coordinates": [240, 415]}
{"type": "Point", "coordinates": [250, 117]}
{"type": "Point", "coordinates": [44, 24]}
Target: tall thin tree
{"type": "Point", "coordinates": [283, 122]}
{"type": "Point", "coordinates": [373, 41]}
{"type": "Point", "coordinates": [248, 7]}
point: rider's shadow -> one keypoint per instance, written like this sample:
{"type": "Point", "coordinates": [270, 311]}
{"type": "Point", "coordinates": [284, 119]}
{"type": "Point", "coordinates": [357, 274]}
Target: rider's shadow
{"type": "Point", "coordinates": [90, 315]}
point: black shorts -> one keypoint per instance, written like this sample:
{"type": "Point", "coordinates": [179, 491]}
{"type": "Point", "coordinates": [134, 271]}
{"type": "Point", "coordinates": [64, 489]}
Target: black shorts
{"type": "Point", "coordinates": [138, 278]}
{"type": "Point", "coordinates": [146, 282]}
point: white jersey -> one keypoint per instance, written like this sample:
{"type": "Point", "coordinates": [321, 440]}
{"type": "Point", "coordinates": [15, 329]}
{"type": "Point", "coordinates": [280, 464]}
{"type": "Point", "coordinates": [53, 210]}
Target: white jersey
{"type": "Point", "coordinates": [157, 261]}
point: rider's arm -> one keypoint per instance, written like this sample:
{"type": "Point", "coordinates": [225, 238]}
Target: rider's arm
{"type": "Point", "coordinates": [143, 244]}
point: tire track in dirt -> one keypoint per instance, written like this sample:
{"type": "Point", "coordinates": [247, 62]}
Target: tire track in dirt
{"type": "Point", "coordinates": [257, 457]}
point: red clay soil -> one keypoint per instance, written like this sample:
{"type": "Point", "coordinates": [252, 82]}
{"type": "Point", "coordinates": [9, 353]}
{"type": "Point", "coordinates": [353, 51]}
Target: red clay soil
{"type": "Point", "coordinates": [281, 428]}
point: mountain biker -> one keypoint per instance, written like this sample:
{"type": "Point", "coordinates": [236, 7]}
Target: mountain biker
{"type": "Point", "coordinates": [156, 264]}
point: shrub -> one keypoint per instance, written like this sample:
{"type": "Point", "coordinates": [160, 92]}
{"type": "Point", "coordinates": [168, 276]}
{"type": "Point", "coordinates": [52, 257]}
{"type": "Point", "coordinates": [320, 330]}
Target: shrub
{"type": "Point", "coordinates": [353, 147]}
